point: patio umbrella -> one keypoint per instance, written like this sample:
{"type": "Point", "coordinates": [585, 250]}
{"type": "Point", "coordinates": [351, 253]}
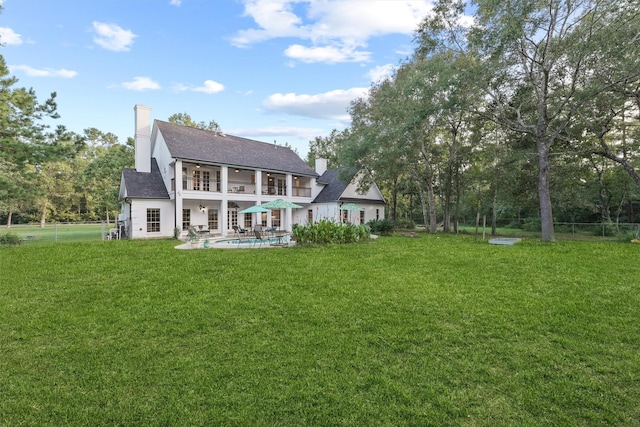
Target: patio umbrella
{"type": "Point", "coordinates": [280, 204]}
{"type": "Point", "coordinates": [254, 209]}
{"type": "Point", "coordinates": [351, 207]}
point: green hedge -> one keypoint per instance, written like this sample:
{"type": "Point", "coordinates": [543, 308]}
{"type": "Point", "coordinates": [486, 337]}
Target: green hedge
{"type": "Point", "coordinates": [325, 231]}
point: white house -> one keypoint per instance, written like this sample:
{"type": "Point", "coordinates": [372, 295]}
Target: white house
{"type": "Point", "coordinates": [185, 177]}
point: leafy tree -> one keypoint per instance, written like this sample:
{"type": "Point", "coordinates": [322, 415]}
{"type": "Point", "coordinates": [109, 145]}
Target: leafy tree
{"type": "Point", "coordinates": [25, 145]}
{"type": "Point", "coordinates": [184, 119]}
{"type": "Point", "coordinates": [545, 48]}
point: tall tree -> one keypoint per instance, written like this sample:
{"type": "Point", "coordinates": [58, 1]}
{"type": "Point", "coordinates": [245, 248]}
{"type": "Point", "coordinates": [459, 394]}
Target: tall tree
{"type": "Point", "coordinates": [184, 119]}
{"type": "Point", "coordinates": [543, 48]}
{"type": "Point", "coordinates": [24, 144]}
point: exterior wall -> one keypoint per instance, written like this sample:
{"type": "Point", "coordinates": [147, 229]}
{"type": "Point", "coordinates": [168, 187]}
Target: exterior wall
{"type": "Point", "coordinates": [137, 220]}
{"type": "Point", "coordinates": [351, 192]}
{"type": "Point", "coordinates": [331, 211]}
{"type": "Point", "coordinates": [164, 159]}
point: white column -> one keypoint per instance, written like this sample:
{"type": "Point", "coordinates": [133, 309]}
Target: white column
{"type": "Point", "coordinates": [224, 208]}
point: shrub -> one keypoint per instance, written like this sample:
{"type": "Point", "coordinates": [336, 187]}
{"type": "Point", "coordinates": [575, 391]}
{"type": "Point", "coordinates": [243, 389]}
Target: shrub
{"type": "Point", "coordinates": [532, 225]}
{"type": "Point", "coordinates": [10, 239]}
{"type": "Point", "coordinates": [325, 231]}
{"type": "Point", "coordinates": [381, 226]}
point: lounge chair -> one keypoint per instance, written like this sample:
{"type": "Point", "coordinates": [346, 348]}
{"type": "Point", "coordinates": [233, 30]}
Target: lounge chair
{"type": "Point", "coordinates": [259, 237]}
{"type": "Point", "coordinates": [240, 232]}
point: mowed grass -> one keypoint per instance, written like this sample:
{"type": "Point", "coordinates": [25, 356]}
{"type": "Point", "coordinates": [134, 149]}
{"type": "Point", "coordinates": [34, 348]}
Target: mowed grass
{"type": "Point", "coordinates": [434, 330]}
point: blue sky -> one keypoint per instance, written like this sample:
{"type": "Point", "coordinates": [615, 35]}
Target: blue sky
{"type": "Point", "coordinates": [270, 70]}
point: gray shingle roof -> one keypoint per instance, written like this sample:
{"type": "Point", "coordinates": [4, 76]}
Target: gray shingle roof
{"type": "Point", "coordinates": [209, 147]}
{"type": "Point", "coordinates": [334, 188]}
{"type": "Point", "coordinates": [145, 185]}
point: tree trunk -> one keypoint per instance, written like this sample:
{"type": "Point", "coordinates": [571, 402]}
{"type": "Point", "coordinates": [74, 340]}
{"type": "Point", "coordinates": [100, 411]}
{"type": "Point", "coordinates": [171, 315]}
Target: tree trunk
{"type": "Point", "coordinates": [494, 212]}
{"type": "Point", "coordinates": [433, 219]}
{"type": "Point", "coordinates": [544, 195]}
{"type": "Point", "coordinates": [9, 215]}
{"type": "Point", "coordinates": [43, 214]}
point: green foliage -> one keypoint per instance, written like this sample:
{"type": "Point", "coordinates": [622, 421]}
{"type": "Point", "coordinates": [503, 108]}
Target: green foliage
{"type": "Point", "coordinates": [184, 119]}
{"type": "Point", "coordinates": [325, 232]}
{"type": "Point", "coordinates": [532, 224]}
{"type": "Point", "coordinates": [9, 239]}
{"type": "Point", "coordinates": [381, 226]}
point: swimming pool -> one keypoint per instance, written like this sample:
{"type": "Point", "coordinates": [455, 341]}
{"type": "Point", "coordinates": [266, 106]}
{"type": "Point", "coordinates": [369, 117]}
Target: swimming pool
{"type": "Point", "coordinates": [284, 240]}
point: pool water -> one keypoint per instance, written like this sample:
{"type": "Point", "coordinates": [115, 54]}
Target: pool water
{"type": "Point", "coordinates": [251, 242]}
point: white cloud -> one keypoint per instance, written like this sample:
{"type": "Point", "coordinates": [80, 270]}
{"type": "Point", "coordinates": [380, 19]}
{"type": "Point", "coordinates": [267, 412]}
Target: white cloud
{"type": "Point", "coordinates": [330, 105]}
{"type": "Point", "coordinates": [381, 72]}
{"type": "Point", "coordinates": [113, 37]}
{"type": "Point", "coordinates": [277, 131]}
{"type": "Point", "coordinates": [175, 2]}
{"type": "Point", "coordinates": [328, 54]}
{"type": "Point", "coordinates": [209, 87]}
{"type": "Point", "coordinates": [9, 37]}
{"type": "Point", "coordinates": [44, 72]}
{"type": "Point", "coordinates": [335, 29]}
{"type": "Point", "coordinates": [140, 84]}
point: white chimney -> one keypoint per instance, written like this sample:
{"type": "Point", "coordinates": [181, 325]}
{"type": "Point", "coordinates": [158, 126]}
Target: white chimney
{"type": "Point", "coordinates": [321, 165]}
{"type": "Point", "coordinates": [143, 138]}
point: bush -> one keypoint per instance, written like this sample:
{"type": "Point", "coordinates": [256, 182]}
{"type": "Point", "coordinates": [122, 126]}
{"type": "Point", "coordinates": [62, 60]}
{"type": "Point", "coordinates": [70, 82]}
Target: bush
{"type": "Point", "coordinates": [10, 239]}
{"type": "Point", "coordinates": [325, 231]}
{"type": "Point", "coordinates": [532, 225]}
{"type": "Point", "coordinates": [381, 226]}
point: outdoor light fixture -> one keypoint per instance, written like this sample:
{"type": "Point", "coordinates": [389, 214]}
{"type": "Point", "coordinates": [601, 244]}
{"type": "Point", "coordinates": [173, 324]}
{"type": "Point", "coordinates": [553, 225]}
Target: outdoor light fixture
{"type": "Point", "coordinates": [237, 170]}
{"type": "Point", "coordinates": [198, 165]}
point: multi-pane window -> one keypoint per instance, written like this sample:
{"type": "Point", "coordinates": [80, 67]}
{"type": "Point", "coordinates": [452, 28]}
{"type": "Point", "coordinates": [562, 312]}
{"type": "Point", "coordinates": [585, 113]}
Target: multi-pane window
{"type": "Point", "coordinates": [153, 220]}
{"type": "Point", "coordinates": [247, 220]}
{"type": "Point", "coordinates": [213, 219]}
{"type": "Point", "coordinates": [218, 181]}
{"type": "Point", "coordinates": [196, 179]}
{"type": "Point", "coordinates": [205, 180]}
{"type": "Point", "coordinates": [377, 213]}
{"type": "Point", "coordinates": [275, 218]}
{"type": "Point", "coordinates": [310, 216]}
{"type": "Point", "coordinates": [232, 218]}
{"type": "Point", "coordinates": [361, 217]}
{"type": "Point", "coordinates": [186, 218]}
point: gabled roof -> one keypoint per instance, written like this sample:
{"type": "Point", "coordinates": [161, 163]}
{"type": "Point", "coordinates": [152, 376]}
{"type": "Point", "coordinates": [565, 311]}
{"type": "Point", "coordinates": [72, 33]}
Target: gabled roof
{"type": "Point", "coordinates": [144, 185]}
{"type": "Point", "coordinates": [335, 187]}
{"type": "Point", "coordinates": [204, 146]}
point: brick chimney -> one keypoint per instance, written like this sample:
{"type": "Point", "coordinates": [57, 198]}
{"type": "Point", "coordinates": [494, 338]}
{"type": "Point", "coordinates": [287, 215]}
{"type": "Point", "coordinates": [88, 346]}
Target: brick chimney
{"type": "Point", "coordinates": [143, 138]}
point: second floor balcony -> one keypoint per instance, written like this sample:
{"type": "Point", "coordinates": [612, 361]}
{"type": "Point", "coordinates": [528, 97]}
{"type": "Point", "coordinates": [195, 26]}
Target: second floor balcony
{"type": "Point", "coordinates": [245, 187]}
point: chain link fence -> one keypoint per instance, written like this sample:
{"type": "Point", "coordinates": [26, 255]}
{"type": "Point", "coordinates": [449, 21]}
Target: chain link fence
{"type": "Point", "coordinates": [59, 232]}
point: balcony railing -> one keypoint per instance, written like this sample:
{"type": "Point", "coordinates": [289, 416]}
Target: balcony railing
{"type": "Point", "coordinates": [237, 187]}
{"type": "Point", "coordinates": [210, 185]}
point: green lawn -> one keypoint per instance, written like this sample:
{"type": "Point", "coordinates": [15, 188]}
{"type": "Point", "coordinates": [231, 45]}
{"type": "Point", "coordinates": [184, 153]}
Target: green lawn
{"type": "Point", "coordinates": [434, 330]}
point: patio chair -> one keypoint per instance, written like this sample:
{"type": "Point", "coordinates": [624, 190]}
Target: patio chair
{"type": "Point", "coordinates": [240, 232]}
{"type": "Point", "coordinates": [259, 237]}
